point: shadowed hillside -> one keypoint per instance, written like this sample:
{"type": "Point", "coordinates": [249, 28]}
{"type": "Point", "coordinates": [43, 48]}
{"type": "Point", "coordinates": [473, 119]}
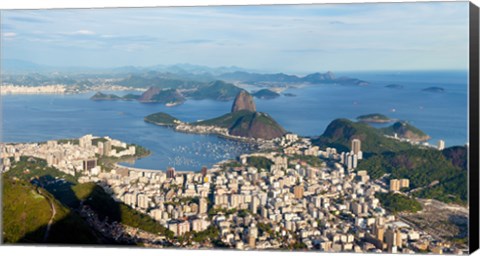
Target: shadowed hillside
{"type": "Point", "coordinates": [38, 208]}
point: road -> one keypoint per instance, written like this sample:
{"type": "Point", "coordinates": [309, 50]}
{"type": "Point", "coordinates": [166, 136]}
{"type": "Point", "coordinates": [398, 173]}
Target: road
{"type": "Point", "coordinates": [54, 212]}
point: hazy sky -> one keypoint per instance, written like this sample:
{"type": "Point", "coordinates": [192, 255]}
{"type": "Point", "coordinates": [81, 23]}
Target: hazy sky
{"type": "Point", "coordinates": [301, 38]}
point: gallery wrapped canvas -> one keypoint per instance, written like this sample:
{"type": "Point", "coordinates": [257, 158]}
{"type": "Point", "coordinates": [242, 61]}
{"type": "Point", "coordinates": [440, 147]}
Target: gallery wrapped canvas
{"type": "Point", "coordinates": [316, 127]}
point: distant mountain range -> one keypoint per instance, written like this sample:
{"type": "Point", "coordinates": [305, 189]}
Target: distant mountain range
{"type": "Point", "coordinates": [15, 66]}
{"type": "Point", "coordinates": [281, 78]}
{"type": "Point", "coordinates": [163, 76]}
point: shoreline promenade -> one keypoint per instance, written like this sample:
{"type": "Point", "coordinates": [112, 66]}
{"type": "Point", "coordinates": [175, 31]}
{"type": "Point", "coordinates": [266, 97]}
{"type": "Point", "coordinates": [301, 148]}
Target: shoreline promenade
{"type": "Point", "coordinates": [117, 165]}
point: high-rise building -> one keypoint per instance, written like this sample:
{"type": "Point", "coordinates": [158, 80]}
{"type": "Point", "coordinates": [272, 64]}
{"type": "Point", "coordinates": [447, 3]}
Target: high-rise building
{"type": "Point", "coordinates": [404, 183]}
{"type": "Point", "coordinates": [173, 227]}
{"type": "Point", "coordinates": [348, 161]}
{"type": "Point", "coordinates": [393, 239]}
{"type": "Point", "coordinates": [378, 232]}
{"type": "Point", "coordinates": [198, 225]}
{"type": "Point", "coordinates": [394, 185]}
{"type": "Point", "coordinates": [441, 145]}
{"type": "Point", "coordinates": [357, 148]}
{"type": "Point", "coordinates": [298, 191]}
{"type": "Point", "coordinates": [100, 149]}
{"type": "Point", "coordinates": [89, 164]}
{"type": "Point", "coordinates": [235, 200]}
{"type": "Point", "coordinates": [204, 171]}
{"type": "Point", "coordinates": [252, 235]}
{"type": "Point", "coordinates": [203, 205]}
{"type": "Point", "coordinates": [85, 141]}
{"type": "Point", "coordinates": [399, 241]}
{"type": "Point", "coordinates": [142, 200]}
{"type": "Point", "coordinates": [356, 208]}
{"type": "Point", "coordinates": [254, 204]}
{"type": "Point", "coordinates": [171, 173]}
{"type": "Point", "coordinates": [183, 227]}
{"type": "Point", "coordinates": [107, 148]}
{"type": "Point", "coordinates": [397, 184]}
{"type": "Point", "coordinates": [390, 238]}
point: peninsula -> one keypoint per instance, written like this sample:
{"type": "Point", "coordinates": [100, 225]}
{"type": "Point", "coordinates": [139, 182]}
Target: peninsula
{"type": "Point", "coordinates": [242, 123]}
{"type": "Point", "coordinates": [374, 118]}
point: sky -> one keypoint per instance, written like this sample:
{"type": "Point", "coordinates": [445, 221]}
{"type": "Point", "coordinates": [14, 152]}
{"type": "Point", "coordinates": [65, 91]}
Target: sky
{"type": "Point", "coordinates": [291, 38]}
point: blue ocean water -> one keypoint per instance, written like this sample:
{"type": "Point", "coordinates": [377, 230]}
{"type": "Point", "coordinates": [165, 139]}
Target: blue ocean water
{"type": "Point", "coordinates": [441, 115]}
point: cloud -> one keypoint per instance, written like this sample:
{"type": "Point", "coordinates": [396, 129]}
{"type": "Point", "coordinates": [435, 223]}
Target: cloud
{"type": "Point", "coordinates": [306, 50]}
{"type": "Point", "coordinates": [9, 34]}
{"type": "Point", "coordinates": [194, 41]}
{"type": "Point", "coordinates": [323, 33]}
{"type": "Point", "coordinates": [28, 19]}
{"type": "Point", "coordinates": [83, 32]}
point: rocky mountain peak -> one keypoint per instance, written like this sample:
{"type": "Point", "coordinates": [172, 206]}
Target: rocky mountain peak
{"type": "Point", "coordinates": [243, 101]}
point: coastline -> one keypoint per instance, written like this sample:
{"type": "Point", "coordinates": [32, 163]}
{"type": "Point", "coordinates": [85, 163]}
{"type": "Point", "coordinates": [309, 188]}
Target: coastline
{"type": "Point", "coordinates": [120, 166]}
{"type": "Point", "coordinates": [60, 89]}
{"type": "Point", "coordinates": [209, 130]}
{"type": "Point", "coordinates": [377, 121]}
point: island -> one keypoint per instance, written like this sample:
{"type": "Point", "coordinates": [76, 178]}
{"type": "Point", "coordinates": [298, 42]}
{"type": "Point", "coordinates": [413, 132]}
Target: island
{"type": "Point", "coordinates": [374, 118]}
{"type": "Point", "coordinates": [405, 130]}
{"type": "Point", "coordinates": [169, 97]}
{"type": "Point", "coordinates": [394, 86]}
{"type": "Point", "coordinates": [434, 89]}
{"type": "Point", "coordinates": [131, 96]}
{"type": "Point", "coordinates": [266, 94]}
{"type": "Point", "coordinates": [162, 119]}
{"type": "Point", "coordinates": [99, 96]}
{"type": "Point", "coordinates": [102, 96]}
{"type": "Point", "coordinates": [242, 123]}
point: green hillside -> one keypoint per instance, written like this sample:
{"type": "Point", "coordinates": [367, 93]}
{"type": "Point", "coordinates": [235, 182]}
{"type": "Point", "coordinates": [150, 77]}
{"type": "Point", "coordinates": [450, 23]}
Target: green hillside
{"type": "Point", "coordinates": [374, 118]}
{"type": "Point", "coordinates": [216, 90]}
{"type": "Point", "coordinates": [383, 155]}
{"type": "Point", "coordinates": [398, 203]}
{"type": "Point", "coordinates": [161, 118]}
{"type": "Point", "coordinates": [68, 227]}
{"type": "Point", "coordinates": [104, 205]}
{"type": "Point", "coordinates": [225, 121]}
{"type": "Point", "coordinates": [340, 132]}
{"type": "Point", "coordinates": [24, 212]}
{"type": "Point", "coordinates": [247, 124]}
{"type": "Point", "coordinates": [405, 130]}
{"type": "Point", "coordinates": [168, 96]}
{"type": "Point", "coordinates": [422, 167]}
{"type": "Point", "coordinates": [27, 212]}
{"type": "Point", "coordinates": [453, 189]}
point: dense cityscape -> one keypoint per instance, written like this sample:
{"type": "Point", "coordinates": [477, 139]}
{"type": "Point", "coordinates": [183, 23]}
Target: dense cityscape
{"type": "Point", "coordinates": [298, 197]}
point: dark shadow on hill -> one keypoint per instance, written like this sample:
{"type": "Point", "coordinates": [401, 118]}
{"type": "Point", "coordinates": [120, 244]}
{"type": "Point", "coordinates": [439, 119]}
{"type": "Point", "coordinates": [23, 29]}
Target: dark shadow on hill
{"type": "Point", "coordinates": [85, 214]}
{"type": "Point", "coordinates": [76, 222]}
{"type": "Point", "coordinates": [461, 222]}
{"type": "Point", "coordinates": [90, 220]}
